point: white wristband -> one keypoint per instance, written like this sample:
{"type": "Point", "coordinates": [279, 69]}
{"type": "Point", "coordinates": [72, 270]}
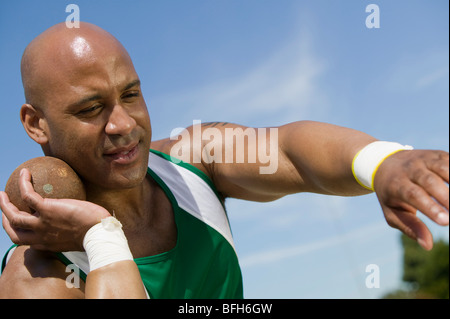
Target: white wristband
{"type": "Point", "coordinates": [366, 161]}
{"type": "Point", "coordinates": [106, 243]}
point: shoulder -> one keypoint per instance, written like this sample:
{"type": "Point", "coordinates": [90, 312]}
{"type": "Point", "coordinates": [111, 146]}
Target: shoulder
{"type": "Point", "coordinates": [36, 274]}
{"type": "Point", "coordinates": [166, 146]}
{"type": "Point", "coordinates": [163, 145]}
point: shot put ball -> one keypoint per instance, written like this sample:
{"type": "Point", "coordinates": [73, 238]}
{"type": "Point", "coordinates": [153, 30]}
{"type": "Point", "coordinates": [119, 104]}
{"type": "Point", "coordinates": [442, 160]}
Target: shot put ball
{"type": "Point", "coordinates": [51, 178]}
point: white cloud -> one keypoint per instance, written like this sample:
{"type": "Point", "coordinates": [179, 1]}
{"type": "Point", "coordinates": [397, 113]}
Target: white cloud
{"type": "Point", "coordinates": [433, 77]}
{"type": "Point", "coordinates": [284, 87]}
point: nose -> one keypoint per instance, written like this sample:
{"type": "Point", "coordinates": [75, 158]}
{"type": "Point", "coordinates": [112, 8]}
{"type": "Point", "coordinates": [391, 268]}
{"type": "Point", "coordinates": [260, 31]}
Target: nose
{"type": "Point", "coordinates": [119, 122]}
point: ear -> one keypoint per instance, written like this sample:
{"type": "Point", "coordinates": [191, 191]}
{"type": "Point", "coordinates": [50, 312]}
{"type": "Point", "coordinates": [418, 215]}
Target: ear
{"type": "Point", "coordinates": [34, 123]}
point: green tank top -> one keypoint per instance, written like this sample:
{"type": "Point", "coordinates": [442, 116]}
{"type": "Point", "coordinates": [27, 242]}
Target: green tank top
{"type": "Point", "coordinates": [203, 264]}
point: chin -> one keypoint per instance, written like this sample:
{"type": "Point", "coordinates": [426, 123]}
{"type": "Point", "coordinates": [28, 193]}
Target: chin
{"type": "Point", "coordinates": [125, 179]}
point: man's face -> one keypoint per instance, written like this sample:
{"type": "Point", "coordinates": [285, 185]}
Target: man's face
{"type": "Point", "coordinates": [96, 117]}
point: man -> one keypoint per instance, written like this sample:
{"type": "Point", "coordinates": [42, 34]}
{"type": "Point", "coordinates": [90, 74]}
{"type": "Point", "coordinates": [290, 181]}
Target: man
{"type": "Point", "coordinates": [84, 105]}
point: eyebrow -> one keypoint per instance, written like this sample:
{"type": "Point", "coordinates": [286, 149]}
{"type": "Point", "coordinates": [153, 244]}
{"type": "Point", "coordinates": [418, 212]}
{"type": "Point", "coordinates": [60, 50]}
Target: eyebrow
{"type": "Point", "coordinates": [95, 97]}
{"type": "Point", "coordinates": [86, 100]}
{"type": "Point", "coordinates": [136, 82]}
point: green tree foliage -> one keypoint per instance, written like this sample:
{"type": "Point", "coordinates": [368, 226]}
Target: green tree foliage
{"type": "Point", "coordinates": [426, 273]}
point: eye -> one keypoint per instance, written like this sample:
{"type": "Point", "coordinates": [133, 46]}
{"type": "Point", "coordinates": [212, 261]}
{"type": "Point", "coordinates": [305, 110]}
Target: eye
{"type": "Point", "coordinates": [91, 110]}
{"type": "Point", "coordinates": [130, 95]}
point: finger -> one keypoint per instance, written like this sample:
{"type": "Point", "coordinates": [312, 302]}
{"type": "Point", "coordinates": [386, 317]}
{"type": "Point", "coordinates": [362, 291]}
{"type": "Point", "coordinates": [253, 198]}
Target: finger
{"type": "Point", "coordinates": [416, 229]}
{"type": "Point", "coordinates": [433, 185]}
{"type": "Point", "coordinates": [18, 236]}
{"type": "Point", "coordinates": [16, 218]}
{"type": "Point", "coordinates": [414, 195]}
{"type": "Point", "coordinates": [29, 196]}
{"type": "Point", "coordinates": [440, 166]}
{"type": "Point", "coordinates": [411, 225]}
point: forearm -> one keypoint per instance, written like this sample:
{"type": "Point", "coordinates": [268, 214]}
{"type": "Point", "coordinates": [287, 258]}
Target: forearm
{"type": "Point", "coordinates": [322, 154]}
{"type": "Point", "coordinates": [114, 274]}
{"type": "Point", "coordinates": [119, 280]}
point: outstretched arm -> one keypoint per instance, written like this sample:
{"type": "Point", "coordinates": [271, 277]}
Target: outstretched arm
{"type": "Point", "coordinates": [317, 157]}
{"type": "Point", "coordinates": [273, 162]}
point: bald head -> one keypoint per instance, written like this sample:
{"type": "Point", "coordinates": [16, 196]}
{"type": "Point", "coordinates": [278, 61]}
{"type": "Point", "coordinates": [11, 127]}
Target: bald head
{"type": "Point", "coordinates": [59, 52]}
{"type": "Point", "coordinates": [84, 103]}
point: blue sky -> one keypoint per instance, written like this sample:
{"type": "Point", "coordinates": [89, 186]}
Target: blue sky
{"type": "Point", "coordinates": [263, 63]}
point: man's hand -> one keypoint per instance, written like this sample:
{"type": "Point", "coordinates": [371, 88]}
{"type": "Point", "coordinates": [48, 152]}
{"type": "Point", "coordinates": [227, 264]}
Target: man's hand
{"type": "Point", "coordinates": [411, 181]}
{"type": "Point", "coordinates": [56, 224]}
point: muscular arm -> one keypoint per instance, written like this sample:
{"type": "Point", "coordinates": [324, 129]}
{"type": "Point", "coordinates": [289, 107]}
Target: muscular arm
{"type": "Point", "coordinates": [317, 157]}
{"type": "Point", "coordinates": [297, 157]}
{"type": "Point", "coordinates": [117, 280]}
{"type": "Point", "coordinates": [34, 274]}
{"type": "Point", "coordinates": [312, 157]}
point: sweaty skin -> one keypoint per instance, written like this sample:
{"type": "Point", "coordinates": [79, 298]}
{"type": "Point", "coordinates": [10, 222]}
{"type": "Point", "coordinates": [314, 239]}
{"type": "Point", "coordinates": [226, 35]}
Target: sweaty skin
{"type": "Point", "coordinates": [84, 105]}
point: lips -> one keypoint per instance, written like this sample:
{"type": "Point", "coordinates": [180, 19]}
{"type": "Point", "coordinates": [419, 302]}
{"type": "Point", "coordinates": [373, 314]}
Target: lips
{"type": "Point", "coordinates": [123, 155]}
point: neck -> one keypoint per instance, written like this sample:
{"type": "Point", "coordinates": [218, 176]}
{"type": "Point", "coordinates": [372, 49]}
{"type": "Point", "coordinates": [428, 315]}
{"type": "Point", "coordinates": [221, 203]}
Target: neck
{"type": "Point", "coordinates": [129, 205]}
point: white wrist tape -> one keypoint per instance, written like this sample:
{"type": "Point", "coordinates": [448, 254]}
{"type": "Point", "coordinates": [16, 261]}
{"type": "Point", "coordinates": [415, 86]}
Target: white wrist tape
{"type": "Point", "coordinates": [106, 243]}
{"type": "Point", "coordinates": [366, 161]}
